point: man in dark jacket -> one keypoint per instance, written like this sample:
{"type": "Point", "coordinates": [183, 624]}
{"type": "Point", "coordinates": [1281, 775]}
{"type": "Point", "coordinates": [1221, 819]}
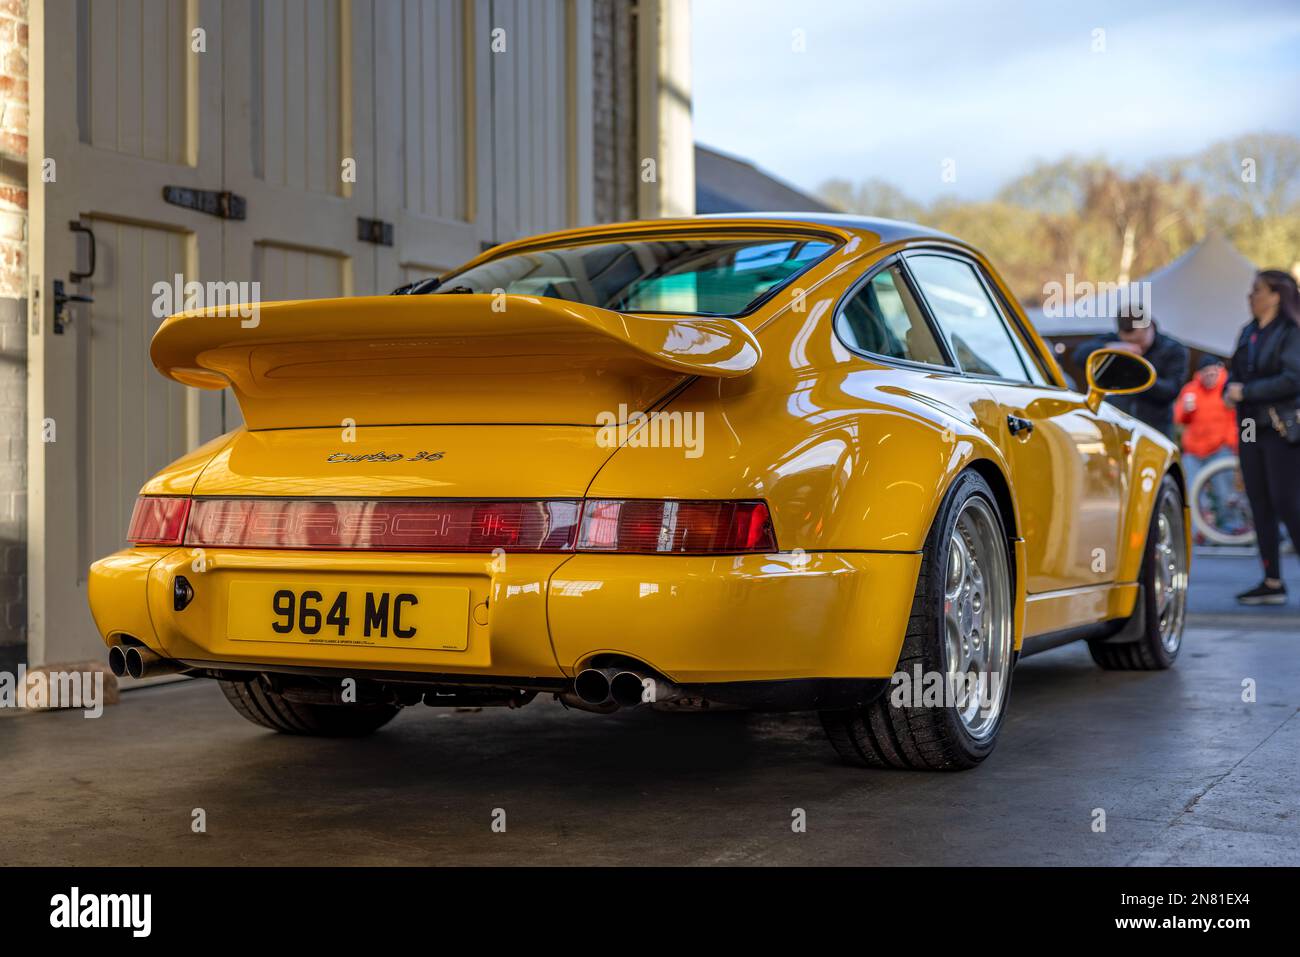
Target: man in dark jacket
{"type": "Point", "coordinates": [1137, 332]}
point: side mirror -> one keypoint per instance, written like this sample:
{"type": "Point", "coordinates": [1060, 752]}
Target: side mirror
{"type": "Point", "coordinates": [1117, 372]}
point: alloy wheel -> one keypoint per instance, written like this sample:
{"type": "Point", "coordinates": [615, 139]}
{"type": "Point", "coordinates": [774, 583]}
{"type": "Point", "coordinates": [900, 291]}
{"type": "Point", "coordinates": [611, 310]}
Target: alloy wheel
{"type": "Point", "coordinates": [977, 617]}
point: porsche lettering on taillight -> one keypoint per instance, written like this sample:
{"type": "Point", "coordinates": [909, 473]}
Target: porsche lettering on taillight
{"type": "Point", "coordinates": [634, 526]}
{"type": "Point", "coordinates": [418, 526]}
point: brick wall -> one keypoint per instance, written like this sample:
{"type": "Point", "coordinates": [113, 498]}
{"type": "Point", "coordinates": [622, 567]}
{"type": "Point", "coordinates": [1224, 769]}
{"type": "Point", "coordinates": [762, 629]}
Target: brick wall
{"type": "Point", "coordinates": [13, 330]}
{"type": "Point", "coordinates": [13, 149]}
{"type": "Point", "coordinates": [615, 165]}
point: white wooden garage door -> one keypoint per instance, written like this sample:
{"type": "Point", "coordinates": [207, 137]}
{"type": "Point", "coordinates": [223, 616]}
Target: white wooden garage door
{"type": "Point", "coordinates": [275, 102]}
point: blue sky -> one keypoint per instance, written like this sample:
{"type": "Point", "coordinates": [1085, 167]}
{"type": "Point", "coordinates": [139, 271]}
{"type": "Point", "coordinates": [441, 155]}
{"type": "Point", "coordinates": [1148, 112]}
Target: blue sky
{"type": "Point", "coordinates": [892, 89]}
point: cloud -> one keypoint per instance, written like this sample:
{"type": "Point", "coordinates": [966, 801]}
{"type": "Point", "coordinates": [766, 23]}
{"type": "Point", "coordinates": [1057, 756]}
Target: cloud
{"type": "Point", "coordinates": [893, 90]}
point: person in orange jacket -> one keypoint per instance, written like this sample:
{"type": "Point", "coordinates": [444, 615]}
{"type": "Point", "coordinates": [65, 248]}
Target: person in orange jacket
{"type": "Point", "coordinates": [1209, 426]}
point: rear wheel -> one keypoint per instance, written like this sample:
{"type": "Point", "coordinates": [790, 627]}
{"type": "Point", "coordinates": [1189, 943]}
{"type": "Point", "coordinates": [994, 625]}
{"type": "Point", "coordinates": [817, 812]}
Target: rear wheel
{"type": "Point", "coordinates": [947, 701]}
{"type": "Point", "coordinates": [1152, 639]}
{"type": "Point", "coordinates": [256, 701]}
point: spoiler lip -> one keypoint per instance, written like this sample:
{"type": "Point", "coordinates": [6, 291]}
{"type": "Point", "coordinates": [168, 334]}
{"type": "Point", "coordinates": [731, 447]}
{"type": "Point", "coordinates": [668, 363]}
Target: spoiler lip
{"type": "Point", "coordinates": [212, 348]}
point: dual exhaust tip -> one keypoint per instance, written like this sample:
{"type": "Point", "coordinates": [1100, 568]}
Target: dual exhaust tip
{"type": "Point", "coordinates": [625, 689]}
{"type": "Point", "coordinates": [135, 662]}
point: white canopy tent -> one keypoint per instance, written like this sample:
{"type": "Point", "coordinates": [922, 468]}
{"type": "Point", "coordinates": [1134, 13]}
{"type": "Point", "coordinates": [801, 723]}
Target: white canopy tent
{"type": "Point", "coordinates": [1199, 299]}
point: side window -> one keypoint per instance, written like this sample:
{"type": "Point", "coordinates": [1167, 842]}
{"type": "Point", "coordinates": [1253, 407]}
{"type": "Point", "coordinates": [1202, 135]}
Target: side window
{"type": "Point", "coordinates": [978, 333]}
{"type": "Point", "coordinates": [883, 318]}
{"type": "Point", "coordinates": [1029, 355]}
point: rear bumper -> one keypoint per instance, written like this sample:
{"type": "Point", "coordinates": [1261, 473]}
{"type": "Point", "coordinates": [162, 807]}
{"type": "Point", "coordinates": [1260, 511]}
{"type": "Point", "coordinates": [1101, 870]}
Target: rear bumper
{"type": "Point", "coordinates": [540, 618]}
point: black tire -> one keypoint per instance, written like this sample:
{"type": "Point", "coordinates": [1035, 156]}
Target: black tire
{"type": "Point", "coordinates": [256, 701]}
{"type": "Point", "coordinates": [926, 738]}
{"type": "Point", "coordinates": [1145, 650]}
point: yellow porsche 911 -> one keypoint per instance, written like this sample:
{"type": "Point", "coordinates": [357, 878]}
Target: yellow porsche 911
{"type": "Point", "coordinates": [771, 462]}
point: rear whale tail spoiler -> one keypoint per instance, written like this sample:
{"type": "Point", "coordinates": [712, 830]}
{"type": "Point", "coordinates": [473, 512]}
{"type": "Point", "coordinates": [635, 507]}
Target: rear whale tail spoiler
{"type": "Point", "coordinates": [443, 358]}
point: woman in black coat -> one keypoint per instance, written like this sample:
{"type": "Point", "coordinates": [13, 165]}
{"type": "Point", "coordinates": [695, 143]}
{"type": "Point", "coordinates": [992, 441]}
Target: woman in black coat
{"type": "Point", "coordinates": [1264, 385]}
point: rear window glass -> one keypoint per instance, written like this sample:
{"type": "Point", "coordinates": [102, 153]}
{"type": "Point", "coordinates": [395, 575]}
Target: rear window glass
{"type": "Point", "coordinates": [697, 277]}
{"type": "Point", "coordinates": [884, 319]}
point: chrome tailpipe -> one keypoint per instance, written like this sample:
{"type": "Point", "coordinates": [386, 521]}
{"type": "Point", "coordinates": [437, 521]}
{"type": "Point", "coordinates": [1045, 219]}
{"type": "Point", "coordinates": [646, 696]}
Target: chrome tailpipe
{"type": "Point", "coordinates": [117, 661]}
{"type": "Point", "coordinates": [592, 685]}
{"type": "Point", "coordinates": [632, 688]}
{"type": "Point", "coordinates": [143, 663]}
{"type": "Point", "coordinates": [591, 691]}
{"type": "Point", "coordinates": [629, 689]}
{"type": "Point", "coordinates": [604, 690]}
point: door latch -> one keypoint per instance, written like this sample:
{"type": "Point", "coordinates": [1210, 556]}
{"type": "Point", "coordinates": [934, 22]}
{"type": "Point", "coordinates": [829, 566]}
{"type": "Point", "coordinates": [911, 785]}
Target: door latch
{"type": "Point", "coordinates": [61, 299]}
{"type": "Point", "coordinates": [62, 319]}
{"type": "Point", "coordinates": [220, 203]}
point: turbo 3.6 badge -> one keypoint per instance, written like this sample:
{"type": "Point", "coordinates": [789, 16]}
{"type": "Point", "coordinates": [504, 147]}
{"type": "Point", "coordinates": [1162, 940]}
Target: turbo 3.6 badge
{"type": "Point", "coordinates": [384, 457]}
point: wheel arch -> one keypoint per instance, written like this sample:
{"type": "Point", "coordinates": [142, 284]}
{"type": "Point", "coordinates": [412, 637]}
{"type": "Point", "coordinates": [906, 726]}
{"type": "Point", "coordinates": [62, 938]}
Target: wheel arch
{"type": "Point", "coordinates": [1153, 459]}
{"type": "Point", "coordinates": [992, 473]}
{"type": "Point", "coordinates": [1178, 474]}
{"type": "Point", "coordinates": [995, 475]}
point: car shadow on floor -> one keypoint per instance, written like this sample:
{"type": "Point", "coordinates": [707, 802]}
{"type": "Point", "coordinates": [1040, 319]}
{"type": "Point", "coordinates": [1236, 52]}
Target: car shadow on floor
{"type": "Point", "coordinates": [546, 745]}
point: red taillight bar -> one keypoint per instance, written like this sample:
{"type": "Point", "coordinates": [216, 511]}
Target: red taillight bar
{"type": "Point", "coordinates": [158, 520]}
{"type": "Point", "coordinates": [415, 526]}
{"type": "Point", "coordinates": [631, 526]}
{"type": "Point", "coordinates": [675, 527]}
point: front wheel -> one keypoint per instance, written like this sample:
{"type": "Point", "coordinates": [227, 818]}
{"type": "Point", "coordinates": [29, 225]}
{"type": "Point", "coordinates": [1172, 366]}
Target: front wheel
{"type": "Point", "coordinates": [1153, 636]}
{"type": "Point", "coordinates": [946, 702]}
{"type": "Point", "coordinates": [1155, 633]}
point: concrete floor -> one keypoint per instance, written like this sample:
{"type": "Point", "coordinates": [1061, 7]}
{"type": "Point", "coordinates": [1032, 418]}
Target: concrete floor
{"type": "Point", "coordinates": [1186, 772]}
{"type": "Point", "coordinates": [1218, 574]}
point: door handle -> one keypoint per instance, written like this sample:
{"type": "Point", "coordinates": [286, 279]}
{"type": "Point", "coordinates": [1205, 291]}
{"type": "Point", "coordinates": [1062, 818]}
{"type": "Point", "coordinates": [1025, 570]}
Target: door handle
{"type": "Point", "coordinates": [1017, 425]}
{"type": "Point", "coordinates": [75, 277]}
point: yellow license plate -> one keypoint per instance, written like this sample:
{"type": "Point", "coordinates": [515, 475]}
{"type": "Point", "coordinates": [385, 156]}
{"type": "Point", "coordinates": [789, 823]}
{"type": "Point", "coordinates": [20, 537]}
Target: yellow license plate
{"type": "Point", "coordinates": [432, 618]}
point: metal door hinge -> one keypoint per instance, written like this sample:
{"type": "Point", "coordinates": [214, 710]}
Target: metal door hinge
{"type": "Point", "coordinates": [374, 231]}
{"type": "Point", "coordinates": [222, 204]}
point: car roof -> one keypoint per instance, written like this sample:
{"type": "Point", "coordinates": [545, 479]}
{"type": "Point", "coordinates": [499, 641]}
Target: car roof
{"type": "Point", "coordinates": [889, 230]}
{"type": "Point", "coordinates": [867, 232]}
